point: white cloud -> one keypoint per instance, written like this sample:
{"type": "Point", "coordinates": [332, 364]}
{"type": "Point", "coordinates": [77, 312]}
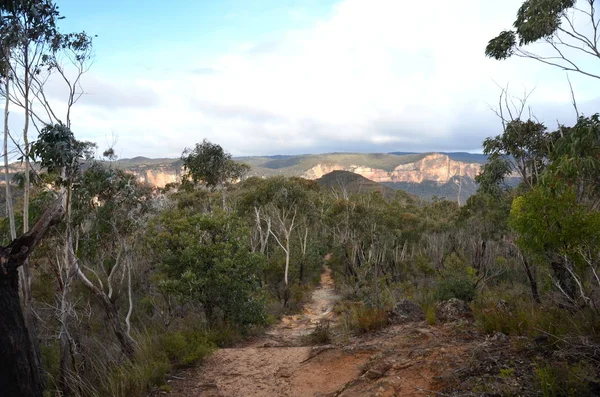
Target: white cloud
{"type": "Point", "coordinates": [385, 75]}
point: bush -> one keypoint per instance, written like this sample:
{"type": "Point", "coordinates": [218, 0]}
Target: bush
{"type": "Point", "coordinates": [136, 378]}
{"type": "Point", "coordinates": [186, 348]}
{"type": "Point", "coordinates": [455, 287]}
{"type": "Point", "coordinates": [524, 318]}
{"type": "Point", "coordinates": [321, 335]}
{"type": "Point", "coordinates": [155, 357]}
{"type": "Point", "coordinates": [430, 316]}
{"type": "Point", "coordinates": [361, 319]}
{"type": "Point", "coordinates": [569, 380]}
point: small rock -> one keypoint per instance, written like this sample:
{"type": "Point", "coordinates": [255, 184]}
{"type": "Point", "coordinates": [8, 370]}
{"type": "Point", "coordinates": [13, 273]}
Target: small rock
{"type": "Point", "coordinates": [284, 373]}
{"type": "Point", "coordinates": [406, 311]}
{"type": "Point", "coordinates": [373, 374]}
{"type": "Point", "coordinates": [403, 365]}
{"type": "Point", "coordinates": [499, 337]}
{"type": "Point", "coordinates": [452, 310]}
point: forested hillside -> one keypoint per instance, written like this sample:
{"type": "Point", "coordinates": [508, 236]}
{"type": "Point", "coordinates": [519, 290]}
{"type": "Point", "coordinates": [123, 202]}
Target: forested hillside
{"type": "Point", "coordinates": [443, 175]}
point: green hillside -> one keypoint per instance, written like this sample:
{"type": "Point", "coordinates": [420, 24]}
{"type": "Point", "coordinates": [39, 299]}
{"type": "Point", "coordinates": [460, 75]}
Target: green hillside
{"type": "Point", "coordinates": [354, 184]}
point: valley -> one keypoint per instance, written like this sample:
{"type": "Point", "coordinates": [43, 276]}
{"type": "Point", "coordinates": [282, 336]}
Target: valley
{"type": "Point", "coordinates": [425, 175]}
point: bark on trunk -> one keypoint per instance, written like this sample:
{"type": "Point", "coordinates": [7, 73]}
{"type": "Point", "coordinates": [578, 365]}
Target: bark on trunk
{"type": "Point", "coordinates": [532, 280]}
{"type": "Point", "coordinates": [112, 315]}
{"type": "Point", "coordinates": [564, 278]}
{"type": "Point", "coordinates": [19, 375]}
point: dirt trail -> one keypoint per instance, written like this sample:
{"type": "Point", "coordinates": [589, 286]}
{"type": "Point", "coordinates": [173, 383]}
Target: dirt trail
{"type": "Point", "coordinates": [401, 360]}
{"type": "Point", "coordinates": [292, 330]}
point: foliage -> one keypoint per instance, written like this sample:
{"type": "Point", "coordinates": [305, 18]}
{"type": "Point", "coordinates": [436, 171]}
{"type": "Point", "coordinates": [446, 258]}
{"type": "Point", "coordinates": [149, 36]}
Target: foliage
{"type": "Point", "coordinates": [359, 318]}
{"type": "Point", "coordinates": [562, 379]}
{"type": "Point", "coordinates": [548, 222]}
{"type": "Point", "coordinates": [536, 20]}
{"type": "Point", "coordinates": [527, 143]}
{"type": "Point", "coordinates": [57, 149]}
{"type": "Point", "coordinates": [205, 258]}
{"type": "Point", "coordinates": [210, 165]}
{"type": "Point", "coordinates": [321, 335]}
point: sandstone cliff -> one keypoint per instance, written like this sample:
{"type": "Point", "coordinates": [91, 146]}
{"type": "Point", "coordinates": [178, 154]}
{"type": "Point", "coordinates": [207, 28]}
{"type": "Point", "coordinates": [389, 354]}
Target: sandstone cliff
{"type": "Point", "coordinates": [434, 167]}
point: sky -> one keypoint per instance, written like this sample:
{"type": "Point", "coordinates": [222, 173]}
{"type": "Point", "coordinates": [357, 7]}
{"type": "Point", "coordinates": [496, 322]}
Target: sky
{"type": "Point", "coordinates": [265, 77]}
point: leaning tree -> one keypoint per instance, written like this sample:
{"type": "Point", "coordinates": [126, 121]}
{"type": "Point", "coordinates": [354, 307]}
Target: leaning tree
{"type": "Point", "coordinates": [19, 375]}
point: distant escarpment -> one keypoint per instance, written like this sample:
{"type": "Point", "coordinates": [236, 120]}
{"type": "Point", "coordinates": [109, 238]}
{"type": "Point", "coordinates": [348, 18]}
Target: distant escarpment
{"type": "Point", "coordinates": [383, 168]}
{"type": "Point", "coordinates": [424, 174]}
{"type": "Point", "coordinates": [434, 167]}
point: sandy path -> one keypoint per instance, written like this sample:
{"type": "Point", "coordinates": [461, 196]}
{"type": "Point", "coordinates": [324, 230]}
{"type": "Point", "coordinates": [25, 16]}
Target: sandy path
{"type": "Point", "coordinates": [278, 364]}
{"type": "Point", "coordinates": [291, 330]}
{"type": "Point", "coordinates": [408, 360]}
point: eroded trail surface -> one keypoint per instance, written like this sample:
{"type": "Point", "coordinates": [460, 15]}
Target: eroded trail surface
{"type": "Point", "coordinates": [292, 330]}
{"type": "Point", "coordinates": [401, 360]}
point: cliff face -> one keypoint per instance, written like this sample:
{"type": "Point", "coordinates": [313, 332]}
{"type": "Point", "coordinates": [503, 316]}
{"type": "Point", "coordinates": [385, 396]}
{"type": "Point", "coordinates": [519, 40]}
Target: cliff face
{"type": "Point", "coordinates": [158, 177]}
{"type": "Point", "coordinates": [434, 167]}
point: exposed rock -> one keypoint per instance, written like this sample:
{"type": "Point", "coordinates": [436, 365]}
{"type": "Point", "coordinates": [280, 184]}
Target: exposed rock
{"type": "Point", "coordinates": [436, 167]}
{"type": "Point", "coordinates": [452, 310]}
{"type": "Point", "coordinates": [373, 374]}
{"type": "Point", "coordinates": [433, 167]}
{"type": "Point", "coordinates": [406, 311]}
{"type": "Point", "coordinates": [284, 373]}
{"type": "Point", "coordinates": [498, 337]}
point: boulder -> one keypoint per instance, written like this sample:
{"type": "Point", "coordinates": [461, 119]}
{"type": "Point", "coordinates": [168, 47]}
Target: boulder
{"type": "Point", "coordinates": [406, 311]}
{"type": "Point", "coordinates": [453, 310]}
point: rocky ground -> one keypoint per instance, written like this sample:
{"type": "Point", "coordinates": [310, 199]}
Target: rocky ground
{"type": "Point", "coordinates": [408, 358]}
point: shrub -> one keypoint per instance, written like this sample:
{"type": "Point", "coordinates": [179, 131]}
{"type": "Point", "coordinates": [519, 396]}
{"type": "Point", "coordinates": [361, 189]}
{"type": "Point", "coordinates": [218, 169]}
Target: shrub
{"type": "Point", "coordinates": [455, 287]}
{"type": "Point", "coordinates": [525, 318]}
{"type": "Point", "coordinates": [430, 315]}
{"type": "Point", "coordinates": [321, 335]}
{"type": "Point", "coordinates": [186, 348]}
{"type": "Point", "coordinates": [136, 378]}
{"type": "Point", "coordinates": [560, 379]}
{"type": "Point", "coordinates": [362, 319]}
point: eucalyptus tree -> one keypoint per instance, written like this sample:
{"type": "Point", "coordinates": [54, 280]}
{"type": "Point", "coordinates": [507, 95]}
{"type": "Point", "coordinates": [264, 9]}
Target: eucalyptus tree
{"type": "Point", "coordinates": [210, 165]}
{"type": "Point", "coordinates": [61, 155]}
{"type": "Point", "coordinates": [568, 30]}
{"type": "Point", "coordinates": [31, 50]}
{"type": "Point", "coordinates": [558, 221]}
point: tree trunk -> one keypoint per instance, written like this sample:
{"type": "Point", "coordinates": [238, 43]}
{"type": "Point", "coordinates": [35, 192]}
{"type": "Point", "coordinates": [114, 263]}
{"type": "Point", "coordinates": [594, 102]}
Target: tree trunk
{"type": "Point", "coordinates": [10, 212]}
{"type": "Point", "coordinates": [19, 372]}
{"type": "Point", "coordinates": [19, 376]}
{"type": "Point", "coordinates": [127, 343]}
{"type": "Point", "coordinates": [112, 315]}
{"type": "Point", "coordinates": [301, 273]}
{"type": "Point", "coordinates": [287, 260]}
{"type": "Point", "coordinates": [532, 280]}
{"type": "Point", "coordinates": [65, 342]}
{"type": "Point", "coordinates": [564, 278]}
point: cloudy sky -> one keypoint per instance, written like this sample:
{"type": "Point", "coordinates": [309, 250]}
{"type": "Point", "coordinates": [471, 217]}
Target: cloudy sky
{"type": "Point", "coordinates": [303, 76]}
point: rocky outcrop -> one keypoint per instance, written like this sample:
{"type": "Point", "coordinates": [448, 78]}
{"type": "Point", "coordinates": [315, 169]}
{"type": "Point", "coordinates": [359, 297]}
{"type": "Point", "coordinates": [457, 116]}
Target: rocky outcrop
{"type": "Point", "coordinates": [159, 177]}
{"type": "Point", "coordinates": [434, 167]}
{"type": "Point", "coordinates": [406, 311]}
{"type": "Point", "coordinates": [453, 310]}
